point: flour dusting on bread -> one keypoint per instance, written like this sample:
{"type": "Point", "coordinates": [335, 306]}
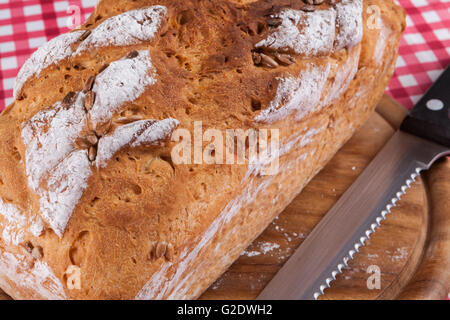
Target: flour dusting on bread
{"type": "Point", "coordinates": [126, 29]}
{"type": "Point", "coordinates": [16, 269]}
{"type": "Point", "coordinates": [158, 131]}
{"type": "Point", "coordinates": [49, 137]}
{"type": "Point", "coordinates": [382, 43]}
{"type": "Point", "coordinates": [136, 134]}
{"type": "Point", "coordinates": [57, 171]}
{"type": "Point", "coordinates": [313, 33]}
{"type": "Point", "coordinates": [300, 94]}
{"type": "Point", "coordinates": [13, 224]}
{"type": "Point", "coordinates": [123, 81]}
{"type": "Point", "coordinates": [350, 23]}
{"type": "Point", "coordinates": [50, 53]}
{"type": "Point", "coordinates": [65, 186]}
{"type": "Point", "coordinates": [16, 224]}
{"type": "Point", "coordinates": [307, 33]}
{"type": "Point", "coordinates": [37, 226]}
{"type": "Point", "coordinates": [121, 137]}
{"type": "Point", "coordinates": [345, 72]}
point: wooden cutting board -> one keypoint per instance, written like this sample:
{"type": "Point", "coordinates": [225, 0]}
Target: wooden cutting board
{"type": "Point", "coordinates": [411, 248]}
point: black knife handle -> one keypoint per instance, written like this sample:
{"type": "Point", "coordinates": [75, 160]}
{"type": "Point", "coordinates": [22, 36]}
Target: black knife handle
{"type": "Point", "coordinates": [430, 118]}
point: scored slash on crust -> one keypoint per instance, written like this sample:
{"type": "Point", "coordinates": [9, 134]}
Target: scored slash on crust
{"type": "Point", "coordinates": [128, 28]}
{"type": "Point", "coordinates": [62, 146]}
{"type": "Point", "coordinates": [366, 235]}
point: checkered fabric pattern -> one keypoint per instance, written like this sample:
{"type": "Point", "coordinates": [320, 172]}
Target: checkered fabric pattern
{"type": "Point", "coordinates": [25, 25]}
{"type": "Point", "coordinates": [424, 50]}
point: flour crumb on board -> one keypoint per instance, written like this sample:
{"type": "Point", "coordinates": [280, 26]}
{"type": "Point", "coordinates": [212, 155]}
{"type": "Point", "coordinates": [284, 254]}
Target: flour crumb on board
{"type": "Point", "coordinates": [216, 285]}
{"type": "Point", "coordinates": [288, 236]}
{"type": "Point", "coordinates": [399, 254]}
{"type": "Point", "coordinates": [250, 253]}
{"type": "Point", "coordinates": [372, 256]}
{"type": "Point", "coordinates": [267, 247]}
{"type": "Point", "coordinates": [263, 248]}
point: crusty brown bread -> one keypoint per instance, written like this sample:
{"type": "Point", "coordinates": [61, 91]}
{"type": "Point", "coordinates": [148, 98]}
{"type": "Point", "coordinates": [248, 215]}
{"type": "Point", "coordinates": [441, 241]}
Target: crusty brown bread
{"type": "Point", "coordinates": [88, 185]}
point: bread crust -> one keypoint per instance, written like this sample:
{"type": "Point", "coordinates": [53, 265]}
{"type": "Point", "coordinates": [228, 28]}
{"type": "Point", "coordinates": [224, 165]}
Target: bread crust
{"type": "Point", "coordinates": [145, 227]}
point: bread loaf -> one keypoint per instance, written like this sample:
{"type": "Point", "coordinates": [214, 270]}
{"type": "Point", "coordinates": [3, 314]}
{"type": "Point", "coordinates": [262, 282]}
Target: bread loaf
{"type": "Point", "coordinates": [93, 204]}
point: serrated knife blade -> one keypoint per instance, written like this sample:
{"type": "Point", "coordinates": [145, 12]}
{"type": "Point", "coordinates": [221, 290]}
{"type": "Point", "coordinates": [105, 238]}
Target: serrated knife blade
{"type": "Point", "coordinates": [424, 138]}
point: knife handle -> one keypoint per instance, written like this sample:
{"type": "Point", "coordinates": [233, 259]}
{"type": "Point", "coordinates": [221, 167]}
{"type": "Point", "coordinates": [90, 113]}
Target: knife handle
{"type": "Point", "coordinates": [430, 118]}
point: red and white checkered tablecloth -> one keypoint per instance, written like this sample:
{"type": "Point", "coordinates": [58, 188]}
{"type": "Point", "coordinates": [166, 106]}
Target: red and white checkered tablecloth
{"type": "Point", "coordinates": [424, 50]}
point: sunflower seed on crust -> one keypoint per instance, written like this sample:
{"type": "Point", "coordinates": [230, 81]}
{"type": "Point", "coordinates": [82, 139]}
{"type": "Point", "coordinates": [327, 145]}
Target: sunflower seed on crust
{"type": "Point", "coordinates": [91, 138]}
{"type": "Point", "coordinates": [81, 143]}
{"type": "Point", "coordinates": [84, 35]}
{"type": "Point", "coordinates": [103, 128]}
{"type": "Point", "coordinates": [284, 59]}
{"type": "Point", "coordinates": [89, 100]}
{"type": "Point", "coordinates": [92, 155]}
{"type": "Point", "coordinates": [36, 253]}
{"type": "Point", "coordinates": [160, 249]}
{"type": "Point", "coordinates": [256, 58]}
{"type": "Point", "coordinates": [268, 61]}
{"type": "Point", "coordinates": [89, 83]}
{"type": "Point", "coordinates": [69, 99]}
{"type": "Point", "coordinates": [132, 55]}
{"type": "Point", "coordinates": [169, 252]}
{"type": "Point", "coordinates": [129, 119]}
{"type": "Point", "coordinates": [274, 22]}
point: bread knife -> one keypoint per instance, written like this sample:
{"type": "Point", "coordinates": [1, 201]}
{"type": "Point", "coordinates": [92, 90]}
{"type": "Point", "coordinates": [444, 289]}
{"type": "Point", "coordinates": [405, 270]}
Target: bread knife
{"type": "Point", "coordinates": [424, 137]}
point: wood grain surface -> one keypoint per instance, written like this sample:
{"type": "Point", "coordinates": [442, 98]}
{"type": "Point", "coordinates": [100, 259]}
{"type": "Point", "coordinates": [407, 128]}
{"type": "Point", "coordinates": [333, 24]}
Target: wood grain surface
{"type": "Point", "coordinates": [411, 248]}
